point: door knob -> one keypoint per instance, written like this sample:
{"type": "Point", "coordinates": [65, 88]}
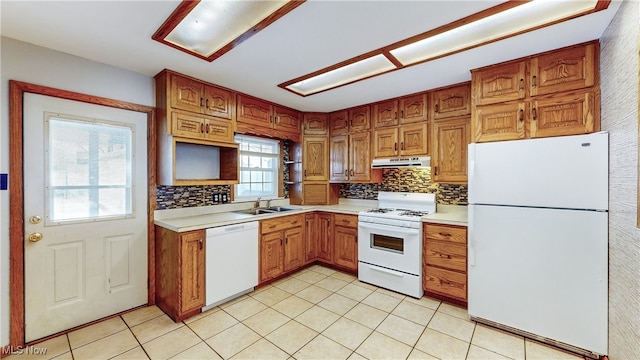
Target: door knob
{"type": "Point", "coordinates": [35, 237]}
{"type": "Point", "coordinates": [35, 219]}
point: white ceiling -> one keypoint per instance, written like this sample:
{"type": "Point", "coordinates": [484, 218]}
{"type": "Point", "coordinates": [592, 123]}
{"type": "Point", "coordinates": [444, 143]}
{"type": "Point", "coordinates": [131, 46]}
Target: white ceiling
{"type": "Point", "coordinates": [313, 36]}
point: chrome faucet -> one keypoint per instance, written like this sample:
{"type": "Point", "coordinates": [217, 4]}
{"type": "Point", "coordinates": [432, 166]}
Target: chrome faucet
{"type": "Point", "coordinates": [257, 204]}
{"type": "Point", "coordinates": [268, 203]}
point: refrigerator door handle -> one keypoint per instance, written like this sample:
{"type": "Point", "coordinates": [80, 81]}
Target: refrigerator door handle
{"type": "Point", "coordinates": [471, 244]}
{"type": "Point", "coordinates": [471, 168]}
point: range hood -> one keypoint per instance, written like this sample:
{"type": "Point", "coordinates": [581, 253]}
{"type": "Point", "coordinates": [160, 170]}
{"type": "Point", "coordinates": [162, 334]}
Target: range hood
{"type": "Point", "coordinates": [403, 162]}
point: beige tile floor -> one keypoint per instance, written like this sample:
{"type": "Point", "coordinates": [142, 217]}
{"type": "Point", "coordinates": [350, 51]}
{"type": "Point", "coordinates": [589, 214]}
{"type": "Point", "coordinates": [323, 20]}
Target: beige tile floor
{"type": "Point", "coordinates": [316, 313]}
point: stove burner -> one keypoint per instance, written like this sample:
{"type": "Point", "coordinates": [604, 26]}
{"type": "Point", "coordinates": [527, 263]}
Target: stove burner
{"type": "Point", "coordinates": [380, 210]}
{"type": "Point", "coordinates": [413, 213]}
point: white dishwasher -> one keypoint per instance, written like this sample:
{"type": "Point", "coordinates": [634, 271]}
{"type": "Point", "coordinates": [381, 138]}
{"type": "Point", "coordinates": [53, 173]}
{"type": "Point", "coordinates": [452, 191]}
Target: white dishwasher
{"type": "Point", "coordinates": [231, 260]}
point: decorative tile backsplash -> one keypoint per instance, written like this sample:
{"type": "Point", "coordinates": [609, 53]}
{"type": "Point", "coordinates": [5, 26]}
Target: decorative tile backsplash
{"type": "Point", "coordinates": [408, 180]}
{"type": "Point", "coordinates": [174, 197]}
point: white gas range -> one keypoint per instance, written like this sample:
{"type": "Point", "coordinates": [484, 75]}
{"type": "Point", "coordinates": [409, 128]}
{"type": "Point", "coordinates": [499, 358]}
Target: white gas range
{"type": "Point", "coordinates": [390, 241]}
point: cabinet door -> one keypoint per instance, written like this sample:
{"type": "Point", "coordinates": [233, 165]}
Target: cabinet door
{"type": "Point", "coordinates": [445, 282]}
{"type": "Point", "coordinates": [360, 157]}
{"type": "Point", "coordinates": [499, 122]}
{"type": "Point", "coordinates": [315, 124]}
{"type": "Point", "coordinates": [192, 270]}
{"type": "Point", "coordinates": [218, 130]}
{"type": "Point", "coordinates": [325, 242]}
{"type": "Point", "coordinates": [360, 118]}
{"type": "Point", "coordinates": [271, 255]}
{"type": "Point", "coordinates": [564, 115]}
{"type": "Point", "coordinates": [346, 247]}
{"type": "Point", "coordinates": [188, 126]}
{"type": "Point", "coordinates": [315, 158]}
{"type": "Point", "coordinates": [385, 114]}
{"type": "Point", "coordinates": [218, 102]}
{"type": "Point", "coordinates": [339, 164]}
{"type": "Point", "coordinates": [413, 109]}
{"type": "Point", "coordinates": [564, 70]}
{"type": "Point", "coordinates": [294, 249]}
{"type": "Point", "coordinates": [339, 122]}
{"type": "Point", "coordinates": [186, 94]}
{"type": "Point", "coordinates": [449, 155]}
{"type": "Point", "coordinates": [287, 120]}
{"type": "Point", "coordinates": [385, 143]}
{"type": "Point", "coordinates": [452, 101]}
{"type": "Point", "coordinates": [500, 83]}
{"type": "Point", "coordinates": [310, 237]}
{"type": "Point", "coordinates": [414, 140]}
{"type": "Point", "coordinates": [252, 111]}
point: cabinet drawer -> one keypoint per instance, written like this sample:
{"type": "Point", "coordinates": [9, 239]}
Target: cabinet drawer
{"type": "Point", "coordinates": [445, 282]}
{"type": "Point", "coordinates": [280, 223]}
{"type": "Point", "coordinates": [346, 220]}
{"type": "Point", "coordinates": [447, 255]}
{"type": "Point", "coordinates": [446, 233]}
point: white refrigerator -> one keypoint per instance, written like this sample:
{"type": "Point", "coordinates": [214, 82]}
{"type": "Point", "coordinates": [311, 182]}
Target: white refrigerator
{"type": "Point", "coordinates": [538, 239]}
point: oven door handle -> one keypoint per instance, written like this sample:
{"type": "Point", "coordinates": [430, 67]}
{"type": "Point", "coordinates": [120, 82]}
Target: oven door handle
{"type": "Point", "coordinates": [395, 229]}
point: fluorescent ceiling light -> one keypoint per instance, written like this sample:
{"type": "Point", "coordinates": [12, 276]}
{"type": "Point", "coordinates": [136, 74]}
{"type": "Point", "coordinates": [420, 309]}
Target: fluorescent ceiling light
{"type": "Point", "coordinates": [519, 19]}
{"type": "Point", "coordinates": [209, 28]}
{"type": "Point", "coordinates": [502, 21]}
{"type": "Point", "coordinates": [359, 70]}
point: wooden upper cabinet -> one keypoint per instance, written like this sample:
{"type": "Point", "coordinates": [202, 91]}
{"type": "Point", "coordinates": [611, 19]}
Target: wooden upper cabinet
{"type": "Point", "coordinates": [195, 96]}
{"type": "Point", "coordinates": [360, 157]}
{"type": "Point", "coordinates": [499, 122]}
{"type": "Point", "coordinates": [315, 124]}
{"type": "Point", "coordinates": [449, 154]}
{"type": "Point", "coordinates": [199, 127]}
{"type": "Point", "coordinates": [286, 119]}
{"type": "Point", "coordinates": [360, 118]}
{"type": "Point", "coordinates": [500, 83]}
{"type": "Point", "coordinates": [569, 114]}
{"type": "Point", "coordinates": [414, 140]}
{"type": "Point", "coordinates": [413, 108]}
{"type": "Point", "coordinates": [339, 122]}
{"type": "Point", "coordinates": [452, 101]}
{"type": "Point", "coordinates": [254, 111]}
{"type": "Point", "coordinates": [385, 113]}
{"type": "Point", "coordinates": [564, 70]}
{"type": "Point", "coordinates": [339, 162]}
{"type": "Point", "coordinates": [385, 143]}
{"type": "Point", "coordinates": [315, 159]}
{"type": "Point", "coordinates": [261, 117]}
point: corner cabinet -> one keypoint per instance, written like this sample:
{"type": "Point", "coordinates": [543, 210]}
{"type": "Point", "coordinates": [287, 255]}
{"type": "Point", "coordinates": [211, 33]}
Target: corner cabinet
{"type": "Point", "coordinates": [180, 272]}
{"type": "Point", "coordinates": [196, 124]}
{"type": "Point", "coordinates": [555, 93]}
{"type": "Point", "coordinates": [444, 262]}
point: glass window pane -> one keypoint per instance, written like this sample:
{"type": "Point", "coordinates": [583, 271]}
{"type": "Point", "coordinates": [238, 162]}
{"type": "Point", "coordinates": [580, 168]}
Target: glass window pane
{"type": "Point", "coordinates": [256, 176]}
{"type": "Point", "coordinates": [259, 159]}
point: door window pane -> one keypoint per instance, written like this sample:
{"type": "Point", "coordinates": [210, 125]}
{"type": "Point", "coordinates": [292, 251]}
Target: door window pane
{"type": "Point", "coordinates": [89, 167]}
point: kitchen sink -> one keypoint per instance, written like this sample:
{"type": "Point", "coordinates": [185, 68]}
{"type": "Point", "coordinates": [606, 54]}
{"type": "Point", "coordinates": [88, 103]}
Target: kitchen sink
{"type": "Point", "coordinates": [260, 211]}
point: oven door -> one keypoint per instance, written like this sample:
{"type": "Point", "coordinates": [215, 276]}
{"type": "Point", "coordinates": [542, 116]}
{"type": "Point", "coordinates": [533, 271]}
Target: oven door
{"type": "Point", "coordinates": [393, 247]}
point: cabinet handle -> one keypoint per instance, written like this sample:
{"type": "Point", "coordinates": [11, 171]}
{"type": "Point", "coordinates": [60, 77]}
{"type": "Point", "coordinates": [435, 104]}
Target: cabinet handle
{"type": "Point", "coordinates": [444, 234]}
{"type": "Point", "coordinates": [207, 128]}
{"type": "Point", "coordinates": [207, 103]}
{"type": "Point", "coordinates": [521, 115]}
{"type": "Point", "coordinates": [350, 123]}
{"type": "Point", "coordinates": [521, 85]}
{"type": "Point", "coordinates": [280, 242]}
{"type": "Point", "coordinates": [272, 226]}
{"type": "Point", "coordinates": [445, 282]}
{"type": "Point", "coordinates": [351, 172]}
{"type": "Point", "coordinates": [402, 145]}
{"type": "Point", "coordinates": [401, 114]}
{"type": "Point", "coordinates": [270, 119]}
{"type": "Point", "coordinates": [346, 221]}
{"type": "Point", "coordinates": [534, 81]}
{"type": "Point", "coordinates": [445, 256]}
{"type": "Point", "coordinates": [201, 128]}
{"type": "Point", "coordinates": [435, 170]}
{"type": "Point", "coordinates": [286, 240]}
{"type": "Point", "coordinates": [201, 102]}
{"type": "Point", "coordinates": [534, 113]}
{"type": "Point", "coordinates": [395, 115]}
{"type": "Point", "coordinates": [305, 172]}
{"type": "Point", "coordinates": [201, 244]}
{"type": "Point", "coordinates": [346, 173]}
{"type": "Point", "coordinates": [395, 146]}
{"type": "Point", "coordinates": [293, 222]}
{"type": "Point", "coordinates": [437, 108]}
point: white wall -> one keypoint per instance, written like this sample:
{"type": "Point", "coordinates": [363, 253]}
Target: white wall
{"type": "Point", "coordinates": [33, 64]}
{"type": "Point", "coordinates": [619, 87]}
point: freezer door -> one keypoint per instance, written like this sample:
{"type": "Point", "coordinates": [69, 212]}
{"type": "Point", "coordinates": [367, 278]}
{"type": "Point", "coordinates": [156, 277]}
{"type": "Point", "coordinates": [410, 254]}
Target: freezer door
{"type": "Point", "coordinates": [560, 172]}
{"type": "Point", "coordinates": [543, 271]}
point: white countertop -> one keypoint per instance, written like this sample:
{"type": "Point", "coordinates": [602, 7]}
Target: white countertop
{"type": "Point", "coordinates": [188, 219]}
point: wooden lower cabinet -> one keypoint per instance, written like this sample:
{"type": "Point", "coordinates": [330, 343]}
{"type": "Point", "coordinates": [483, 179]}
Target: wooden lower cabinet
{"type": "Point", "coordinates": [325, 237]}
{"type": "Point", "coordinates": [180, 272]}
{"type": "Point", "coordinates": [310, 241]}
{"type": "Point", "coordinates": [444, 262]}
{"type": "Point", "coordinates": [281, 246]}
{"type": "Point", "coordinates": [345, 237]}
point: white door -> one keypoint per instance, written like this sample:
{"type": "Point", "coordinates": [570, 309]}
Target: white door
{"type": "Point", "coordinates": [85, 213]}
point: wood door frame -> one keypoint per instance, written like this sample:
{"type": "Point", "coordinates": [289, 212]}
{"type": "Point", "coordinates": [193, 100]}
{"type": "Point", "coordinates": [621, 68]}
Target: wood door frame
{"type": "Point", "coordinates": [16, 192]}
